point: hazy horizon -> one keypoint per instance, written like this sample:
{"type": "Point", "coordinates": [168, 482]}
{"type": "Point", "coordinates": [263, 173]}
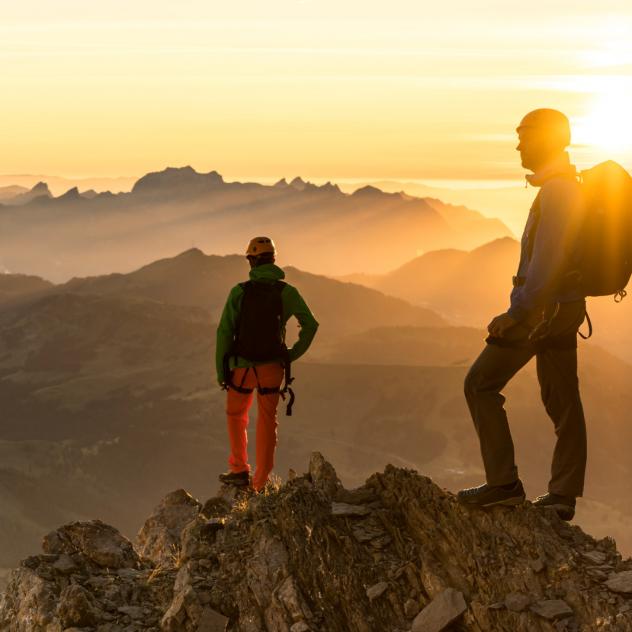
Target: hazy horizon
{"type": "Point", "coordinates": [402, 91]}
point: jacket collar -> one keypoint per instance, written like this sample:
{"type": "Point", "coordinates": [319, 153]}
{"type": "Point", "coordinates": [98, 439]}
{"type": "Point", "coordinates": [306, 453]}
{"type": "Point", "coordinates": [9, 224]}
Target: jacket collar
{"type": "Point", "coordinates": [559, 166]}
{"type": "Point", "coordinates": [267, 272]}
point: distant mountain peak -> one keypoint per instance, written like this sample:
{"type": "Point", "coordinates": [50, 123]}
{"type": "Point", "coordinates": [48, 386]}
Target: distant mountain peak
{"type": "Point", "coordinates": [298, 183]}
{"type": "Point", "coordinates": [191, 253]}
{"type": "Point", "coordinates": [41, 188]}
{"type": "Point", "coordinates": [71, 194]}
{"type": "Point", "coordinates": [369, 190]}
{"type": "Point", "coordinates": [330, 187]}
{"type": "Point", "coordinates": [281, 184]}
{"type": "Point", "coordinates": [177, 180]}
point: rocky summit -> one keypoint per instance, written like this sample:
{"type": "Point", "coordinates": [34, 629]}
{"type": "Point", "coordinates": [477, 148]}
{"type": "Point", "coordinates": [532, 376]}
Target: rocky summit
{"type": "Point", "coordinates": [397, 554]}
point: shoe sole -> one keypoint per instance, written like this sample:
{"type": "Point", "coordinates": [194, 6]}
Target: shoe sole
{"type": "Point", "coordinates": [507, 502]}
{"type": "Point", "coordinates": [563, 511]}
{"type": "Point", "coordinates": [235, 483]}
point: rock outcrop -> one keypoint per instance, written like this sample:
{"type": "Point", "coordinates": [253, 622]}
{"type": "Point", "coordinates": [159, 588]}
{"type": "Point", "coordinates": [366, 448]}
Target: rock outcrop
{"type": "Point", "coordinates": [396, 555]}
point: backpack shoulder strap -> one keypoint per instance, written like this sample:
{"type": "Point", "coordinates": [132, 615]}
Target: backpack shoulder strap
{"type": "Point", "coordinates": [535, 211]}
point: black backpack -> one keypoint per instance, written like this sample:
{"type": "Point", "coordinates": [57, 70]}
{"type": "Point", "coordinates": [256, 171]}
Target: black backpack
{"type": "Point", "coordinates": [260, 336]}
{"type": "Point", "coordinates": [604, 252]}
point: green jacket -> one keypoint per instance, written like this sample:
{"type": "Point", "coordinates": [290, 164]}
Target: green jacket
{"type": "Point", "coordinates": [293, 305]}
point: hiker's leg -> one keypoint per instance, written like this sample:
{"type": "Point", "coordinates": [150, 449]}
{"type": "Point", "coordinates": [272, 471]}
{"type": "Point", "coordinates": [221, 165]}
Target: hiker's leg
{"type": "Point", "coordinates": [237, 406]}
{"type": "Point", "coordinates": [270, 376]}
{"type": "Point", "coordinates": [559, 385]}
{"type": "Point", "coordinates": [489, 374]}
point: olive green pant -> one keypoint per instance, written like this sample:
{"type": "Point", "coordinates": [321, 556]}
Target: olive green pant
{"type": "Point", "coordinates": [556, 358]}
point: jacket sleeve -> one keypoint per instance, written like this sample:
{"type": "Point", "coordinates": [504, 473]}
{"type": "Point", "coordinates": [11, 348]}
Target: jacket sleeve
{"type": "Point", "coordinates": [298, 308]}
{"type": "Point", "coordinates": [226, 330]}
{"type": "Point", "coordinates": [561, 214]}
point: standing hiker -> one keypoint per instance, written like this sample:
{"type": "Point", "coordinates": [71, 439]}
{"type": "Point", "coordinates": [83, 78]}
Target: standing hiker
{"type": "Point", "coordinates": [251, 354]}
{"type": "Point", "coordinates": [545, 313]}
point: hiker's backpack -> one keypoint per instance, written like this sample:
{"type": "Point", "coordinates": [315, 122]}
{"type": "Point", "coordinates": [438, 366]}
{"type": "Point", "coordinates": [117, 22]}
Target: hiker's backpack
{"type": "Point", "coordinates": [604, 253]}
{"type": "Point", "coordinates": [259, 334]}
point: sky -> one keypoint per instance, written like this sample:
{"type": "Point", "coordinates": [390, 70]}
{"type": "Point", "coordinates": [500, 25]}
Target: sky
{"type": "Point", "coordinates": [348, 89]}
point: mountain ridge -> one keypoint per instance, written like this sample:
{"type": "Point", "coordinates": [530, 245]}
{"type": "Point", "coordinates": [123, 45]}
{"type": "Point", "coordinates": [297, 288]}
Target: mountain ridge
{"type": "Point", "coordinates": [395, 554]}
{"type": "Point", "coordinates": [317, 228]}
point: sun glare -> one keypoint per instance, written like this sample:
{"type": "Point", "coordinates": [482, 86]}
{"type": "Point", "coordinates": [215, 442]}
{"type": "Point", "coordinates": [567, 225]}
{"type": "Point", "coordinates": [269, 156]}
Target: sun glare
{"type": "Point", "coordinates": [607, 126]}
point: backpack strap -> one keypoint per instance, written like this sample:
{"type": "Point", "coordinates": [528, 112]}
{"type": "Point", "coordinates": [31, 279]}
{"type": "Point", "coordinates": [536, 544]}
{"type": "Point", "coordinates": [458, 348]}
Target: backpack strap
{"type": "Point", "coordinates": [228, 374]}
{"type": "Point", "coordinates": [590, 328]}
{"type": "Point", "coordinates": [286, 390]}
{"type": "Point", "coordinates": [535, 211]}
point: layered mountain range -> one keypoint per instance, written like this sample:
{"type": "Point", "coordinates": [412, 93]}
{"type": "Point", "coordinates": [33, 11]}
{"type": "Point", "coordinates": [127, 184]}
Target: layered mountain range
{"type": "Point", "coordinates": [317, 228]}
{"type": "Point", "coordinates": [110, 400]}
{"type": "Point", "coordinates": [470, 287]}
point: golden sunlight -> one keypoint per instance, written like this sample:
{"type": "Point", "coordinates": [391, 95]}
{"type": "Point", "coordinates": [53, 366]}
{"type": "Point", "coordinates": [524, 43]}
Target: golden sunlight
{"type": "Point", "coordinates": [607, 126]}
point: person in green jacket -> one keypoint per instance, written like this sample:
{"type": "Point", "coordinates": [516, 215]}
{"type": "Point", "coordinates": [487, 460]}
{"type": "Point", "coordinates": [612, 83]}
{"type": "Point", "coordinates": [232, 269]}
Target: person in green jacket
{"type": "Point", "coordinates": [251, 354]}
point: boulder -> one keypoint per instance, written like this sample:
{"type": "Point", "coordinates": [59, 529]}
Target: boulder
{"type": "Point", "coordinates": [443, 610]}
{"type": "Point", "coordinates": [159, 538]}
{"type": "Point", "coordinates": [98, 542]}
{"type": "Point", "coordinates": [620, 583]}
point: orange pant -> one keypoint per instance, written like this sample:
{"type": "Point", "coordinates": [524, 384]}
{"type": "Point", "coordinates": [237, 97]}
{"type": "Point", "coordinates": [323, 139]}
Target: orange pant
{"type": "Point", "coordinates": [237, 407]}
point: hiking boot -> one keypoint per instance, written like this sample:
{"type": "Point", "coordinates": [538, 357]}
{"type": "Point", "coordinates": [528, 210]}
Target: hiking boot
{"type": "Point", "coordinates": [238, 479]}
{"type": "Point", "coordinates": [563, 505]}
{"type": "Point", "coordinates": [492, 495]}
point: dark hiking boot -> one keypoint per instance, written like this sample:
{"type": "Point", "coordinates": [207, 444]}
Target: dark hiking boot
{"type": "Point", "coordinates": [492, 495]}
{"type": "Point", "coordinates": [238, 479]}
{"type": "Point", "coordinates": [563, 505]}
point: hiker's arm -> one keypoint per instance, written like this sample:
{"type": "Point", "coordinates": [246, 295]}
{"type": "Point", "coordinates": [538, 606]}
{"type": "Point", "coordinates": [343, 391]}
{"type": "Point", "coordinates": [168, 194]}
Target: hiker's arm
{"type": "Point", "coordinates": [561, 213]}
{"type": "Point", "coordinates": [297, 307]}
{"type": "Point", "coordinates": [226, 331]}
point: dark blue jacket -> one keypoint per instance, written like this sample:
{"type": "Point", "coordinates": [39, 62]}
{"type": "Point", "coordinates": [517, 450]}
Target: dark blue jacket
{"type": "Point", "coordinates": [549, 240]}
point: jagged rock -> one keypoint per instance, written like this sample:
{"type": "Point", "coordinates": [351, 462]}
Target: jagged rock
{"type": "Point", "coordinates": [538, 565]}
{"type": "Point", "coordinates": [323, 475]}
{"type": "Point", "coordinates": [344, 509]}
{"type": "Point", "coordinates": [76, 607]}
{"type": "Point", "coordinates": [621, 582]}
{"type": "Point", "coordinates": [517, 602]}
{"type": "Point", "coordinates": [198, 537]}
{"type": "Point", "coordinates": [377, 590]}
{"type": "Point", "coordinates": [444, 609]}
{"type": "Point", "coordinates": [65, 564]}
{"type": "Point", "coordinates": [597, 557]}
{"type": "Point", "coordinates": [159, 538]}
{"type": "Point", "coordinates": [134, 612]}
{"type": "Point", "coordinates": [282, 561]}
{"type": "Point", "coordinates": [552, 609]}
{"type": "Point", "coordinates": [411, 608]}
{"type": "Point", "coordinates": [99, 542]}
{"type": "Point", "coordinates": [216, 507]}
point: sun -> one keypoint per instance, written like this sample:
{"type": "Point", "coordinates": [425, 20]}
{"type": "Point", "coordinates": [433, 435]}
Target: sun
{"type": "Point", "coordinates": [607, 125]}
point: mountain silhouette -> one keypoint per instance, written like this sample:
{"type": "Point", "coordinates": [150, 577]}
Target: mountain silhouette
{"type": "Point", "coordinates": [109, 398]}
{"type": "Point", "coordinates": [10, 192]}
{"type": "Point", "coordinates": [317, 228]}
{"type": "Point", "coordinates": [177, 181]}
{"type": "Point", "coordinates": [38, 193]}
